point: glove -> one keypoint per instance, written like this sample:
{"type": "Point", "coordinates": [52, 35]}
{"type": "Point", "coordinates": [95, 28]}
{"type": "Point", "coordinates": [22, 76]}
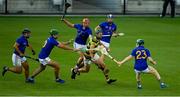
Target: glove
{"type": "Point", "coordinates": [33, 52]}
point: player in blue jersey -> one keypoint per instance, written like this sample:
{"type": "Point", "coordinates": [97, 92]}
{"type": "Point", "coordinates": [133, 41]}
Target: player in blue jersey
{"type": "Point", "coordinates": [44, 59]}
{"type": "Point", "coordinates": [18, 57]}
{"type": "Point", "coordinates": [141, 55]}
{"type": "Point", "coordinates": [108, 30]}
{"type": "Point", "coordinates": [83, 33]}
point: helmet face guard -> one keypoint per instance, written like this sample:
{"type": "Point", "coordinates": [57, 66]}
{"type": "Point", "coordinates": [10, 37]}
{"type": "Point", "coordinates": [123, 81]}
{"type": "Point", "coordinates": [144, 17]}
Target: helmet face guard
{"type": "Point", "coordinates": [26, 30]}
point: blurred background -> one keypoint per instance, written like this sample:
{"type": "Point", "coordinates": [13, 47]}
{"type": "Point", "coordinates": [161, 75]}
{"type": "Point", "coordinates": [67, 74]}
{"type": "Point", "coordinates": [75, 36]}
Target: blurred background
{"type": "Point", "coordinates": [152, 7]}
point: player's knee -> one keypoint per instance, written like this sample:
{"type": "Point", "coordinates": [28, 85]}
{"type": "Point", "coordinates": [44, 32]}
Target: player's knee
{"type": "Point", "coordinates": [80, 60]}
{"type": "Point", "coordinates": [86, 70]}
{"type": "Point", "coordinates": [152, 71]}
{"type": "Point", "coordinates": [26, 68]}
{"type": "Point", "coordinates": [18, 70]}
{"type": "Point", "coordinates": [102, 68]}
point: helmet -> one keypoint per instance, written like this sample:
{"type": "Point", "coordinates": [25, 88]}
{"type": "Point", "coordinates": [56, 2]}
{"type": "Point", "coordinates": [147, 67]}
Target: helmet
{"type": "Point", "coordinates": [110, 16]}
{"type": "Point", "coordinates": [140, 42]}
{"type": "Point", "coordinates": [54, 32]}
{"type": "Point", "coordinates": [26, 30]}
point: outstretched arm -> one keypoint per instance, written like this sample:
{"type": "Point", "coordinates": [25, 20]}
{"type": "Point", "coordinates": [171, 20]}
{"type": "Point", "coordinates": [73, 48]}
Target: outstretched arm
{"type": "Point", "coordinates": [115, 34]}
{"type": "Point", "coordinates": [125, 60]}
{"type": "Point", "coordinates": [66, 47]}
{"type": "Point", "coordinates": [151, 60]}
{"type": "Point", "coordinates": [67, 42]}
{"type": "Point", "coordinates": [68, 23]}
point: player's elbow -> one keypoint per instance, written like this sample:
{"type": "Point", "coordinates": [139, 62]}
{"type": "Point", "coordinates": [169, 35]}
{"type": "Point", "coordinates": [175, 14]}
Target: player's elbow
{"type": "Point", "coordinates": [70, 25]}
{"type": "Point", "coordinates": [129, 57]}
{"type": "Point", "coordinates": [61, 46]}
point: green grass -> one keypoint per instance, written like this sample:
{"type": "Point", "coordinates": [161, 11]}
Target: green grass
{"type": "Point", "coordinates": [162, 37]}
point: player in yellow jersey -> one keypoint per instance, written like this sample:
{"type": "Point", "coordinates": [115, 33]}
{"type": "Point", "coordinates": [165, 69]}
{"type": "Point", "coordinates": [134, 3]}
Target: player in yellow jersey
{"type": "Point", "coordinates": [91, 56]}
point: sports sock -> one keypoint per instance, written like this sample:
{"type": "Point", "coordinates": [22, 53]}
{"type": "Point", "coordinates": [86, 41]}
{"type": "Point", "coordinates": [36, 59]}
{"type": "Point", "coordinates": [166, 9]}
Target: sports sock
{"type": "Point", "coordinates": [138, 82]}
{"type": "Point", "coordinates": [32, 77]}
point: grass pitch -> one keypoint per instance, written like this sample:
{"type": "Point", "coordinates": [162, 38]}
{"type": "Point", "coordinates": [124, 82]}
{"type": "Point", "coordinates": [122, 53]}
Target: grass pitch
{"type": "Point", "coordinates": [162, 37]}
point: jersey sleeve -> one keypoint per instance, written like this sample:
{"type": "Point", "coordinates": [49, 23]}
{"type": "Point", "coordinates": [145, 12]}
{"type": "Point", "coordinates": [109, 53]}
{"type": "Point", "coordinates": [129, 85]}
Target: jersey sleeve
{"type": "Point", "coordinates": [148, 53]}
{"type": "Point", "coordinates": [101, 25]}
{"type": "Point", "coordinates": [76, 26]}
{"type": "Point", "coordinates": [90, 32]}
{"type": "Point", "coordinates": [133, 53]}
{"type": "Point", "coordinates": [55, 42]}
{"type": "Point", "coordinates": [18, 41]}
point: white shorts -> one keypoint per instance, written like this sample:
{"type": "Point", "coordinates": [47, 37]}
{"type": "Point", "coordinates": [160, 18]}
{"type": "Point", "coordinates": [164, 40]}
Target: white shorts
{"type": "Point", "coordinates": [45, 61]}
{"type": "Point", "coordinates": [107, 45]}
{"type": "Point", "coordinates": [88, 61]}
{"type": "Point", "coordinates": [17, 60]}
{"type": "Point", "coordinates": [78, 46]}
{"type": "Point", "coordinates": [143, 71]}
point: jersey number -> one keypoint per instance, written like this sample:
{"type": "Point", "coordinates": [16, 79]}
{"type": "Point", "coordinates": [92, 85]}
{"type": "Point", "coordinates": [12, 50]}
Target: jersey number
{"type": "Point", "coordinates": [141, 54]}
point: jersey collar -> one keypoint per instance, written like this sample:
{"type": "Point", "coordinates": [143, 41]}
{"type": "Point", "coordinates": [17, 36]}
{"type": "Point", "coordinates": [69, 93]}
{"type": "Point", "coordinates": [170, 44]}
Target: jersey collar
{"type": "Point", "coordinates": [109, 23]}
{"type": "Point", "coordinates": [141, 46]}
